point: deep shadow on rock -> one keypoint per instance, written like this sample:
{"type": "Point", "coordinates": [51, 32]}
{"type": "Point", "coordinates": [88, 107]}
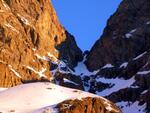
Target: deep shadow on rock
{"type": "Point", "coordinates": [115, 46]}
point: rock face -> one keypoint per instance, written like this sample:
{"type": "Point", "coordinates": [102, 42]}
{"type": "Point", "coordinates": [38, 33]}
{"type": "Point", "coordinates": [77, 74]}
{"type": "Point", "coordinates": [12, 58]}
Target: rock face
{"type": "Point", "coordinates": [123, 54]}
{"type": "Point", "coordinates": [68, 80]}
{"type": "Point", "coordinates": [87, 105]}
{"type": "Point", "coordinates": [125, 36]}
{"type": "Point", "coordinates": [31, 37]}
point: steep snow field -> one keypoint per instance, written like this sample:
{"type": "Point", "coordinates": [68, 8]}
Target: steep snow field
{"type": "Point", "coordinates": [34, 97]}
{"type": "Point", "coordinates": [81, 69]}
{"type": "Point", "coordinates": [117, 84]}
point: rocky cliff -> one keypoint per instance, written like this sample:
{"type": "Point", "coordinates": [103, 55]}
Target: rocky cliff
{"type": "Point", "coordinates": [31, 39]}
{"type": "Point", "coordinates": [121, 57]}
{"type": "Point", "coordinates": [125, 36]}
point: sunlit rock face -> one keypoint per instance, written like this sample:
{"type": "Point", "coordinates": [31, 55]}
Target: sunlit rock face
{"type": "Point", "coordinates": [31, 37]}
{"type": "Point", "coordinates": [87, 105]}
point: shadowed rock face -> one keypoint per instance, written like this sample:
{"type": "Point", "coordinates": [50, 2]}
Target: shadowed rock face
{"type": "Point", "coordinates": [126, 39]}
{"type": "Point", "coordinates": [125, 36]}
{"type": "Point", "coordinates": [29, 30]}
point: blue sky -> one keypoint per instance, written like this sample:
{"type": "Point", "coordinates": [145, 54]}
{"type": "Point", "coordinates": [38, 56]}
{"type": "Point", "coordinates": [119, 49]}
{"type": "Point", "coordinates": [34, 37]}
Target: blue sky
{"type": "Point", "coordinates": [85, 19]}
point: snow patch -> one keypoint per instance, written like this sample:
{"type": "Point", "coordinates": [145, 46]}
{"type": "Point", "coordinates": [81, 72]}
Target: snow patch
{"type": "Point", "coordinates": [42, 57]}
{"type": "Point", "coordinates": [60, 64]}
{"type": "Point", "coordinates": [143, 72]}
{"type": "Point", "coordinates": [14, 71]}
{"type": "Point", "coordinates": [81, 69]}
{"type": "Point", "coordinates": [23, 19]}
{"type": "Point", "coordinates": [139, 56]}
{"type": "Point", "coordinates": [5, 5]}
{"type": "Point", "coordinates": [52, 56]}
{"type": "Point", "coordinates": [148, 22]}
{"type": "Point", "coordinates": [107, 66]}
{"type": "Point", "coordinates": [124, 65]}
{"type": "Point", "coordinates": [69, 81]}
{"type": "Point", "coordinates": [34, 49]}
{"type": "Point", "coordinates": [132, 31]}
{"type": "Point", "coordinates": [2, 89]}
{"type": "Point", "coordinates": [56, 50]}
{"type": "Point", "coordinates": [128, 107]}
{"type": "Point", "coordinates": [145, 91]}
{"type": "Point", "coordinates": [117, 85]}
{"type": "Point", "coordinates": [40, 73]}
{"type": "Point", "coordinates": [128, 35]}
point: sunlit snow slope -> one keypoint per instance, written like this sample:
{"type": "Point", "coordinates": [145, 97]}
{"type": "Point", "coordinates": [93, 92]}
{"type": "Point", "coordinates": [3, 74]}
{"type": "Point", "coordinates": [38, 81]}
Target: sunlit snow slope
{"type": "Point", "coordinates": [36, 97]}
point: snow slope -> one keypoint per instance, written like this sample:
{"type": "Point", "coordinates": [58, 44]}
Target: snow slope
{"type": "Point", "coordinates": [117, 84]}
{"type": "Point", "coordinates": [128, 107]}
{"type": "Point", "coordinates": [36, 97]}
{"type": "Point", "coordinates": [81, 69]}
{"type": "Point", "coordinates": [2, 89]}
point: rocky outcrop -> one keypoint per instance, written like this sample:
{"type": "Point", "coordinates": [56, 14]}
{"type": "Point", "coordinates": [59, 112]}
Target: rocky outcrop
{"type": "Point", "coordinates": [31, 37]}
{"type": "Point", "coordinates": [87, 105]}
{"type": "Point", "coordinates": [68, 80]}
